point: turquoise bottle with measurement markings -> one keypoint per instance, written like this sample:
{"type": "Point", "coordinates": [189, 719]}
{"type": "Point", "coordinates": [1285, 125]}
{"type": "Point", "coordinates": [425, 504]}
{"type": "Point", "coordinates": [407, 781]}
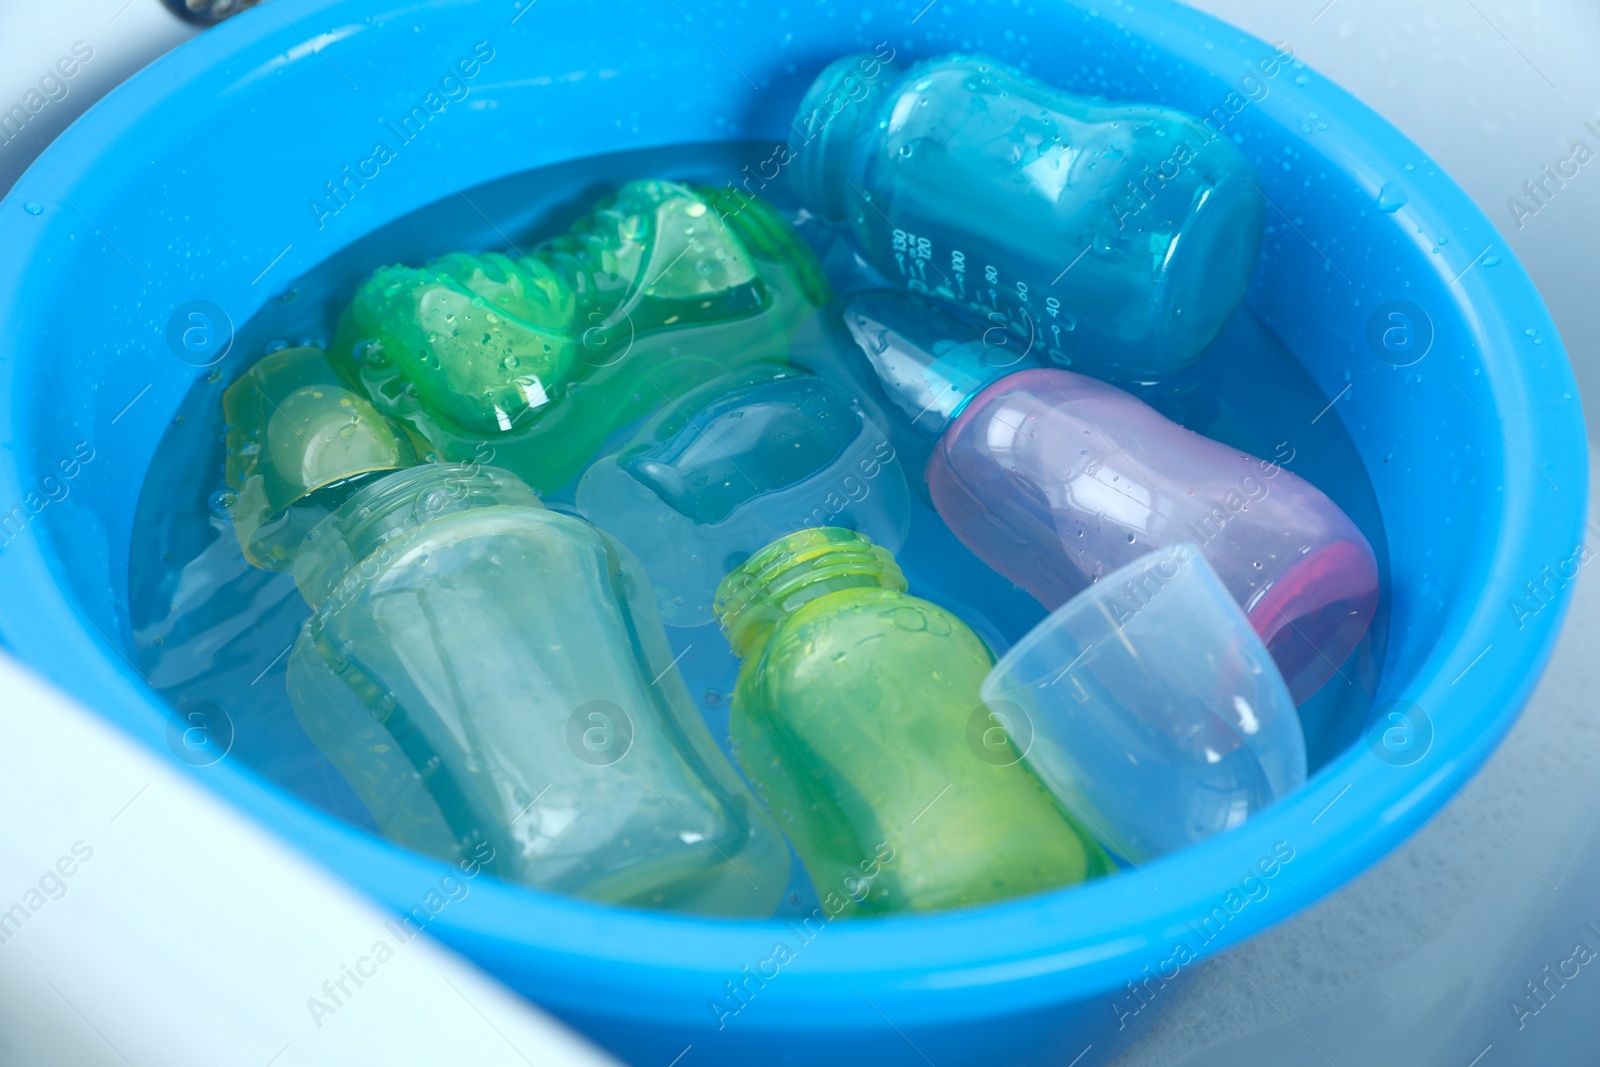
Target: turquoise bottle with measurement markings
{"type": "Point", "coordinates": [1115, 239]}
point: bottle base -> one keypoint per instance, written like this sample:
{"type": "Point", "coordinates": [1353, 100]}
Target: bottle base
{"type": "Point", "coordinates": [1312, 618]}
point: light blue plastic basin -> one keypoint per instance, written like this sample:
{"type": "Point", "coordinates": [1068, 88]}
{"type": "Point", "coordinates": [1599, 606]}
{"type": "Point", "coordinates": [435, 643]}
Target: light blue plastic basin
{"type": "Point", "coordinates": [195, 180]}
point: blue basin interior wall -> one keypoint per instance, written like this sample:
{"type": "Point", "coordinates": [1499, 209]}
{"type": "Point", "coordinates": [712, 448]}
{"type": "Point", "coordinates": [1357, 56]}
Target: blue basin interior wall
{"type": "Point", "coordinates": [207, 177]}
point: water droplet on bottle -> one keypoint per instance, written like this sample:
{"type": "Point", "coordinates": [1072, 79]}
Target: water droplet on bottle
{"type": "Point", "coordinates": [510, 363]}
{"type": "Point", "coordinates": [348, 430]}
{"type": "Point", "coordinates": [276, 346]}
{"type": "Point", "coordinates": [1130, 539]}
{"type": "Point", "coordinates": [713, 697]}
{"type": "Point", "coordinates": [222, 502]}
{"type": "Point", "coordinates": [32, 208]}
{"type": "Point", "coordinates": [1391, 197]}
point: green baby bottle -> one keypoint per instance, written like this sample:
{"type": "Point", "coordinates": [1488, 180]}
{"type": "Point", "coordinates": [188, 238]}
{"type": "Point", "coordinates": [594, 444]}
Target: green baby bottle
{"type": "Point", "coordinates": [851, 717]}
{"type": "Point", "coordinates": [493, 681]}
{"type": "Point", "coordinates": [657, 291]}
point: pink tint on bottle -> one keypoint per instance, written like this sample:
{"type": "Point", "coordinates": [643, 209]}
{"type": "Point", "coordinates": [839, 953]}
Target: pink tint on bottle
{"type": "Point", "coordinates": [1055, 479]}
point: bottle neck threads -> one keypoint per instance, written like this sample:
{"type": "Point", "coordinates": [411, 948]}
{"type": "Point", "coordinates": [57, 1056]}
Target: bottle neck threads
{"type": "Point", "coordinates": [795, 570]}
{"type": "Point", "coordinates": [823, 135]}
{"type": "Point", "coordinates": [382, 511]}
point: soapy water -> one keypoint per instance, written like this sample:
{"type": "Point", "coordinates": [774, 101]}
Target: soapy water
{"type": "Point", "coordinates": [213, 634]}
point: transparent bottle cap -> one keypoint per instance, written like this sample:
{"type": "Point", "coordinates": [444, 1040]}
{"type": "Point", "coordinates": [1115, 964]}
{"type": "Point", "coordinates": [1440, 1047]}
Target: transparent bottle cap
{"type": "Point", "coordinates": [1149, 706]}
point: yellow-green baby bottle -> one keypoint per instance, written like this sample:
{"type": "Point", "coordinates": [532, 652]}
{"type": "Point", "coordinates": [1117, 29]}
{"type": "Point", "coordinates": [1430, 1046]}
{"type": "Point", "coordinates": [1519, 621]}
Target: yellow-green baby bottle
{"type": "Point", "coordinates": [851, 718]}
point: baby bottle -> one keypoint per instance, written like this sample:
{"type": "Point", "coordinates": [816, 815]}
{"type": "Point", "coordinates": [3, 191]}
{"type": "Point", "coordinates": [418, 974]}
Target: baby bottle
{"type": "Point", "coordinates": [759, 452]}
{"type": "Point", "coordinates": [656, 291]}
{"type": "Point", "coordinates": [1055, 480]}
{"type": "Point", "coordinates": [1116, 238]}
{"type": "Point", "coordinates": [857, 717]}
{"type": "Point", "coordinates": [300, 438]}
{"type": "Point", "coordinates": [482, 670]}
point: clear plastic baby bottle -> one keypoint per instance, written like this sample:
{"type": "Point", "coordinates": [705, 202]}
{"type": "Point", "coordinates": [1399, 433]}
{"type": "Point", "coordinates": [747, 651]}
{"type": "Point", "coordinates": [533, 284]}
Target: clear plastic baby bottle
{"type": "Point", "coordinates": [659, 289]}
{"type": "Point", "coordinates": [714, 477]}
{"type": "Point", "coordinates": [483, 670]}
{"type": "Point", "coordinates": [857, 716]}
{"type": "Point", "coordinates": [1116, 238]}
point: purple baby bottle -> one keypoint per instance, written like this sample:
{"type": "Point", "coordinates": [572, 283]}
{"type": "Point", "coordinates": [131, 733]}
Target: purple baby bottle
{"type": "Point", "coordinates": [1055, 479]}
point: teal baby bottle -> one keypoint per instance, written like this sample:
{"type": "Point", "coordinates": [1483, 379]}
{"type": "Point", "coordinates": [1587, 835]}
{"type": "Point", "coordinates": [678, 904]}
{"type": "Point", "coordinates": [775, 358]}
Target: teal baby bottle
{"type": "Point", "coordinates": [1116, 239]}
{"type": "Point", "coordinates": [758, 453]}
{"type": "Point", "coordinates": [493, 681]}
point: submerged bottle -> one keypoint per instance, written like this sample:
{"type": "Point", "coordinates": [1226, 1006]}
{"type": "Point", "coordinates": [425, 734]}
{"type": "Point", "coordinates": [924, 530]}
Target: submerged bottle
{"type": "Point", "coordinates": [1055, 480]}
{"type": "Point", "coordinates": [1116, 238]}
{"type": "Point", "coordinates": [485, 672]}
{"type": "Point", "coordinates": [759, 452]}
{"type": "Point", "coordinates": [656, 291]}
{"type": "Point", "coordinates": [854, 716]}
{"type": "Point", "coordinates": [300, 438]}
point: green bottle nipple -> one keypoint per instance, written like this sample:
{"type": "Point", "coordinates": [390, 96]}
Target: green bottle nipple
{"type": "Point", "coordinates": [655, 292]}
{"type": "Point", "coordinates": [299, 440]}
